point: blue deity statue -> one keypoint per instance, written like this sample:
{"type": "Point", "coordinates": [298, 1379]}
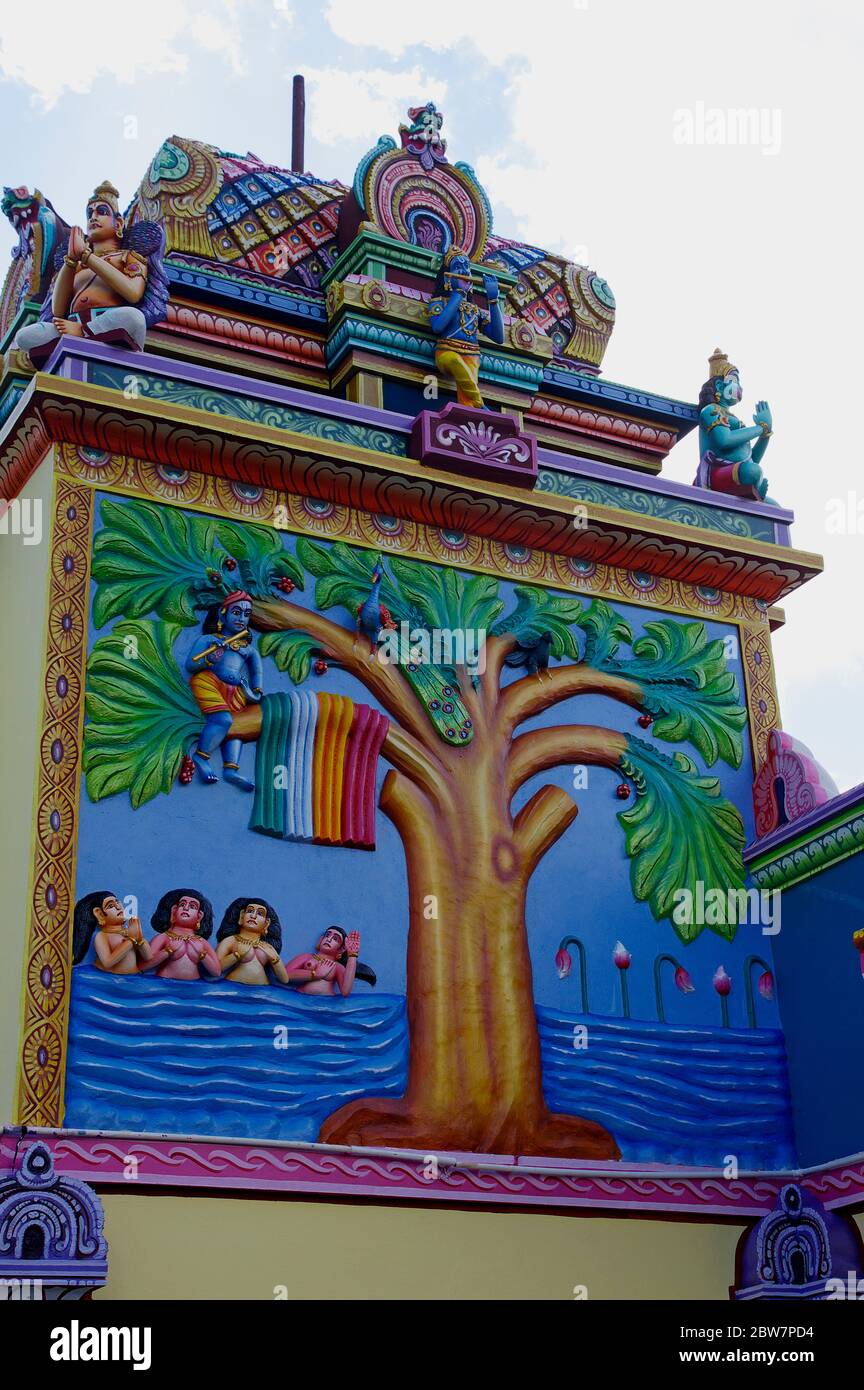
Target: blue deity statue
{"type": "Point", "coordinates": [226, 676]}
{"type": "Point", "coordinates": [730, 452]}
{"type": "Point", "coordinates": [457, 323]}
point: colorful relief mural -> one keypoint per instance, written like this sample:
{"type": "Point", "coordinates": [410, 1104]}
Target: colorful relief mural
{"type": "Point", "coordinates": [492, 759]}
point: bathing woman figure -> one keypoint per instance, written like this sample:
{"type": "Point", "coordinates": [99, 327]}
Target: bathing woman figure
{"type": "Point", "coordinates": [250, 939]}
{"type": "Point", "coordinates": [332, 965]}
{"type": "Point", "coordinates": [120, 944]}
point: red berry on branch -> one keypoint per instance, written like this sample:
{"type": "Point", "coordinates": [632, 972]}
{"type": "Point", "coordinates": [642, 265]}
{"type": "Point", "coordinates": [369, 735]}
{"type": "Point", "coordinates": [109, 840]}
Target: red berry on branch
{"type": "Point", "coordinates": [230, 564]}
{"type": "Point", "coordinates": [645, 721]}
{"type": "Point", "coordinates": [320, 667]}
{"type": "Point", "coordinates": [285, 584]}
{"type": "Point", "coordinates": [622, 791]}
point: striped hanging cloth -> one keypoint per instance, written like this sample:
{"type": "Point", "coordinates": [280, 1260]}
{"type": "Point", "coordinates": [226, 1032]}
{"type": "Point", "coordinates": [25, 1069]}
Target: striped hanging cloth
{"type": "Point", "coordinates": [316, 769]}
{"type": "Point", "coordinates": [361, 774]}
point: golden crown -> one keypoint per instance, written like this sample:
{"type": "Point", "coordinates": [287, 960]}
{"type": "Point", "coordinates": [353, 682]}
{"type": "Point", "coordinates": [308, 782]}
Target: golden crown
{"type": "Point", "coordinates": [106, 193]}
{"type": "Point", "coordinates": [719, 364]}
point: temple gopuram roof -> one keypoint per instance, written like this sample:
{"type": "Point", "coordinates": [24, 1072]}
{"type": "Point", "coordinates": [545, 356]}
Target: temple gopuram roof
{"type": "Point", "coordinates": [297, 308]}
{"type": "Point", "coordinates": [235, 211]}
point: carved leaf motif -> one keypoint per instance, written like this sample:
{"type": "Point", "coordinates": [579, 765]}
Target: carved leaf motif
{"type": "Point", "coordinates": [141, 714]}
{"type": "Point", "coordinates": [679, 834]}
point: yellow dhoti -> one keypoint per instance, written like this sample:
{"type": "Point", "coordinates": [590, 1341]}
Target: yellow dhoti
{"type": "Point", "coordinates": [462, 364]}
{"type": "Point", "coordinates": [214, 696]}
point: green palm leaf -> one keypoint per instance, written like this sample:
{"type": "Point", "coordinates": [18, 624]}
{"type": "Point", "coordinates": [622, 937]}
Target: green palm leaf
{"type": "Point", "coordinates": [141, 715]}
{"type": "Point", "coordinates": [261, 556]}
{"type": "Point", "coordinates": [292, 652]}
{"type": "Point", "coordinates": [156, 559]}
{"type": "Point", "coordinates": [604, 630]}
{"type": "Point", "coordinates": [538, 611]}
{"type": "Point", "coordinates": [688, 688]}
{"type": "Point", "coordinates": [151, 559]}
{"type": "Point", "coordinates": [680, 833]}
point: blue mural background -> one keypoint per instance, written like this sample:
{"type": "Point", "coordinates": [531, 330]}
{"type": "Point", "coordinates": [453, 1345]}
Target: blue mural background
{"type": "Point", "coordinates": [199, 836]}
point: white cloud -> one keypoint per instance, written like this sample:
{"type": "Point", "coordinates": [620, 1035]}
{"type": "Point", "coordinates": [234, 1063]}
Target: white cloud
{"type": "Point", "coordinates": [350, 105]}
{"type": "Point", "coordinates": [157, 37]}
{"type": "Point", "coordinates": [392, 27]}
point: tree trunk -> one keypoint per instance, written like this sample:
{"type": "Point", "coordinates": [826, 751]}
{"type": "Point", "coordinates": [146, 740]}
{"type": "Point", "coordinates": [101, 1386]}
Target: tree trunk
{"type": "Point", "coordinates": [474, 1081]}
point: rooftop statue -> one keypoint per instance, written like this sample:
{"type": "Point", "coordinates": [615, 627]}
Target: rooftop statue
{"type": "Point", "coordinates": [39, 230]}
{"type": "Point", "coordinates": [457, 323]}
{"type": "Point", "coordinates": [730, 452]}
{"type": "Point", "coordinates": [423, 136]}
{"type": "Point", "coordinates": [109, 287]}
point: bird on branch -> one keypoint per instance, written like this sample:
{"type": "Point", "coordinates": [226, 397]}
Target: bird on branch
{"type": "Point", "coordinates": [532, 655]}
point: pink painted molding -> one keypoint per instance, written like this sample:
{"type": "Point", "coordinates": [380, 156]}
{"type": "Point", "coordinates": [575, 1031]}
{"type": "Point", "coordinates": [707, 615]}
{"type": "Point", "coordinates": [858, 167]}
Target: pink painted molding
{"type": "Point", "coordinates": [315, 1170]}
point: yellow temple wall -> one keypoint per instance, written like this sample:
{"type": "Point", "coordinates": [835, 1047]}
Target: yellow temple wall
{"type": "Point", "coordinates": [24, 571]}
{"type": "Point", "coordinates": [176, 1247]}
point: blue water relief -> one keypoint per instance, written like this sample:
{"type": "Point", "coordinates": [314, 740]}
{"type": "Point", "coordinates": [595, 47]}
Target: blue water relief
{"type": "Point", "coordinates": [171, 1057]}
{"type": "Point", "coordinates": [189, 1057]}
{"type": "Point", "coordinates": [671, 1094]}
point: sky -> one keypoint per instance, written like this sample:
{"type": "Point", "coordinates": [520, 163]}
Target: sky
{"type": "Point", "coordinates": [702, 158]}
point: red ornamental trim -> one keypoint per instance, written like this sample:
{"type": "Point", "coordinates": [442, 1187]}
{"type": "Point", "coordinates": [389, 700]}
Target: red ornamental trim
{"type": "Point", "coordinates": [322, 1170]}
{"type": "Point", "coordinates": [242, 333]}
{"type": "Point", "coordinates": [216, 446]}
{"type": "Point", "coordinates": [22, 456]}
{"type": "Point", "coordinates": [585, 421]}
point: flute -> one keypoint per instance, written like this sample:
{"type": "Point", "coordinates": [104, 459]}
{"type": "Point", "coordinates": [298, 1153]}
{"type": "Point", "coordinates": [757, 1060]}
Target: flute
{"type": "Point", "coordinates": [217, 646]}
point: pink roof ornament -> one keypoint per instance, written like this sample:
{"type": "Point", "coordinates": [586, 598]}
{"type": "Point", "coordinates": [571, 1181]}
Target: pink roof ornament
{"type": "Point", "coordinates": [789, 784]}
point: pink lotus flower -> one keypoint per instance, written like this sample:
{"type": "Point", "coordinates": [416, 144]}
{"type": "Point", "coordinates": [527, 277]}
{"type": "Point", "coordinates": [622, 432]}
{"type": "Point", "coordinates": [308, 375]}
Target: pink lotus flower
{"type": "Point", "coordinates": [621, 956]}
{"type": "Point", "coordinates": [683, 981]}
{"type": "Point", "coordinates": [563, 962]}
{"type": "Point", "coordinates": [721, 982]}
{"type": "Point", "coordinates": [766, 985]}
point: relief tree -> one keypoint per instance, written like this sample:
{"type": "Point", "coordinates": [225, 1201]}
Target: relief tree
{"type": "Point", "coordinates": [475, 1072]}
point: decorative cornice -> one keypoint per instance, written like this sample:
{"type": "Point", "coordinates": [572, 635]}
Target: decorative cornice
{"type": "Point", "coordinates": [314, 1170]}
{"type": "Point", "coordinates": [806, 847]}
{"type": "Point", "coordinates": [312, 424]}
{"type": "Point", "coordinates": [76, 412]}
{"type": "Point", "coordinates": [566, 473]}
{"type": "Point", "coordinates": [401, 305]}
{"type": "Point", "coordinates": [235, 288]}
{"type": "Point", "coordinates": [192, 321]}
{"type": "Point", "coordinates": [683, 511]}
{"type": "Point", "coordinates": [583, 420]}
{"type": "Point", "coordinates": [662, 410]}
{"type": "Point", "coordinates": [417, 344]}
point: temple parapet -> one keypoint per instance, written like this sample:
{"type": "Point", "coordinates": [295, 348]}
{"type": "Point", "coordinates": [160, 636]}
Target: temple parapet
{"type": "Point", "coordinates": [588, 511]}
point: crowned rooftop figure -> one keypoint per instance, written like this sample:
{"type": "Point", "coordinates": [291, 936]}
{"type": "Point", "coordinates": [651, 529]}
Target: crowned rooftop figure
{"type": "Point", "coordinates": [457, 323]}
{"type": "Point", "coordinates": [110, 285]}
{"type": "Point", "coordinates": [730, 452]}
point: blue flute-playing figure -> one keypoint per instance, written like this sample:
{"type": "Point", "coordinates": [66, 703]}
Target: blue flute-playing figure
{"type": "Point", "coordinates": [457, 321]}
{"type": "Point", "coordinates": [226, 676]}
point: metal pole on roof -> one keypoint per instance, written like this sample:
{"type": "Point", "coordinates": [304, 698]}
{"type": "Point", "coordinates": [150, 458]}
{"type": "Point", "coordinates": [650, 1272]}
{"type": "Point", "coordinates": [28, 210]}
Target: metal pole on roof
{"type": "Point", "coordinates": [298, 125]}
